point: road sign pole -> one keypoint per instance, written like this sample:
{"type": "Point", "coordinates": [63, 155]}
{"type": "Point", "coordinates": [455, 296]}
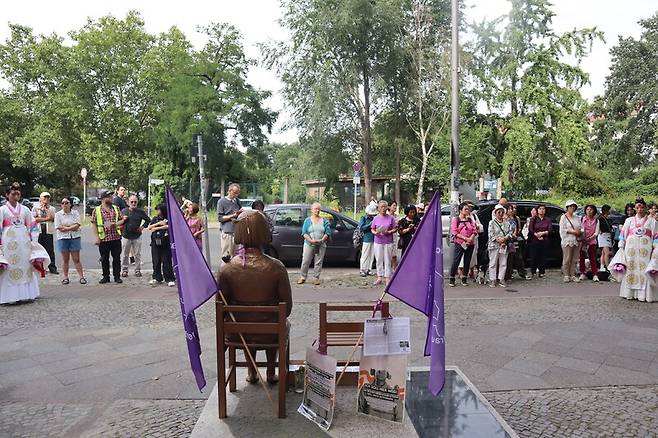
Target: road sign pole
{"type": "Point", "coordinates": [202, 180]}
{"type": "Point", "coordinates": [83, 174]}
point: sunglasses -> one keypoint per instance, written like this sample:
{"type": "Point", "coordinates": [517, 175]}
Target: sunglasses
{"type": "Point", "coordinates": [133, 202]}
{"type": "Point", "coordinates": [65, 202]}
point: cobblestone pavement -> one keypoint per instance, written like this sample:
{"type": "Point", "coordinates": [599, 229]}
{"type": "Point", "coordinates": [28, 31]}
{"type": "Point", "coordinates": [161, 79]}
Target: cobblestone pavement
{"type": "Point", "coordinates": [112, 361]}
{"type": "Point", "coordinates": [580, 412]}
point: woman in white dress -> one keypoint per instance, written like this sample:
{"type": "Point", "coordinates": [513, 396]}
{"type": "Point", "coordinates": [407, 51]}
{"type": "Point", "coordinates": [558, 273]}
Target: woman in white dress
{"type": "Point", "coordinates": [22, 256]}
{"type": "Point", "coordinates": [635, 263]}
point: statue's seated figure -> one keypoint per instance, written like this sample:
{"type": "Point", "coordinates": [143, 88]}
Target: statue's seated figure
{"type": "Point", "coordinates": [252, 278]}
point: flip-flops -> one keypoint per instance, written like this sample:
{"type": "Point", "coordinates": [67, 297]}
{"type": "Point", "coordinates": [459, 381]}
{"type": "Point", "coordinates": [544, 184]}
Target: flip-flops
{"type": "Point", "coordinates": [83, 280]}
{"type": "Point", "coordinates": [65, 281]}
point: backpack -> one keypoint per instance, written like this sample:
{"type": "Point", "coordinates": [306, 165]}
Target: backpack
{"type": "Point", "coordinates": [357, 237]}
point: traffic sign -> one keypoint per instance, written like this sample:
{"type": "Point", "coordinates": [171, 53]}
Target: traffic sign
{"type": "Point", "coordinates": [156, 181]}
{"type": "Point", "coordinates": [357, 180]}
{"type": "Point", "coordinates": [356, 166]}
{"type": "Point", "coordinates": [83, 173]}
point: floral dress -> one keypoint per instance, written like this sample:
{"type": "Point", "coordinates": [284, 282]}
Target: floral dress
{"type": "Point", "coordinates": [196, 224]}
{"type": "Point", "coordinates": [635, 263]}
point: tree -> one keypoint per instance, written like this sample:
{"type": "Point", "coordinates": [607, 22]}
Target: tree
{"type": "Point", "coordinates": [520, 72]}
{"type": "Point", "coordinates": [628, 116]}
{"type": "Point", "coordinates": [334, 68]}
{"type": "Point", "coordinates": [424, 94]}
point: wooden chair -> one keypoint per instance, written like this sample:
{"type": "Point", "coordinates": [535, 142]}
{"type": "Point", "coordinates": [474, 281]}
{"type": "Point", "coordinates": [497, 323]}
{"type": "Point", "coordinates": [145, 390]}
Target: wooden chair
{"type": "Point", "coordinates": [227, 327]}
{"type": "Point", "coordinates": [344, 333]}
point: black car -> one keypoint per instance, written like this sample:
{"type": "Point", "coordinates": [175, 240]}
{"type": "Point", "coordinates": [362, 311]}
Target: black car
{"type": "Point", "coordinates": [287, 237]}
{"type": "Point", "coordinates": [484, 210]}
{"type": "Point", "coordinates": [92, 202]}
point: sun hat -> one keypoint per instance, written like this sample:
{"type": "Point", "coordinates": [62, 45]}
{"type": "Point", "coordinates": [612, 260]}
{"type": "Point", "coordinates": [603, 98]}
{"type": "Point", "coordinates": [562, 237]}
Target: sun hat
{"type": "Point", "coordinates": [570, 202]}
{"type": "Point", "coordinates": [43, 194]}
{"type": "Point", "coordinates": [499, 207]}
{"type": "Point", "coordinates": [371, 210]}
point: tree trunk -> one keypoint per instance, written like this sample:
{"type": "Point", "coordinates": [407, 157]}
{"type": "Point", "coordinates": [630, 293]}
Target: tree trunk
{"type": "Point", "coordinates": [397, 172]}
{"type": "Point", "coordinates": [421, 178]}
{"type": "Point", "coordinates": [513, 103]}
{"type": "Point", "coordinates": [366, 140]}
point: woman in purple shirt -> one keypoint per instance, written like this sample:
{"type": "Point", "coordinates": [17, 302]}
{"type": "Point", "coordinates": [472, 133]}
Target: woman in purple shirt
{"type": "Point", "coordinates": [538, 236]}
{"type": "Point", "coordinates": [383, 227]}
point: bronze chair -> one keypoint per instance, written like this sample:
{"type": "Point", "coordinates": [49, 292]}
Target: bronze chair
{"type": "Point", "coordinates": [228, 327]}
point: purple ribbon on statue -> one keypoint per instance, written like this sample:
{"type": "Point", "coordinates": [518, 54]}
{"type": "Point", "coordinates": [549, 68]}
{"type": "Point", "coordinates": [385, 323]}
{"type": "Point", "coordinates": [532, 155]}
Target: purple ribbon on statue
{"type": "Point", "coordinates": [653, 272]}
{"type": "Point", "coordinates": [620, 268]}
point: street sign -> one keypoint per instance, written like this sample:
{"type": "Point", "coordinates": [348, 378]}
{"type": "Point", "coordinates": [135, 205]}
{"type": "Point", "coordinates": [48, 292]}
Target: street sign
{"type": "Point", "coordinates": [357, 180]}
{"type": "Point", "coordinates": [356, 166]}
{"type": "Point", "coordinates": [156, 181]}
{"type": "Point", "coordinates": [83, 173]}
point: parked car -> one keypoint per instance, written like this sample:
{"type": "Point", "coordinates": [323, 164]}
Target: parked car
{"type": "Point", "coordinates": [92, 203]}
{"type": "Point", "coordinates": [484, 210]}
{"type": "Point", "coordinates": [287, 237]}
{"type": "Point", "coordinates": [34, 202]}
{"type": "Point", "coordinates": [75, 200]}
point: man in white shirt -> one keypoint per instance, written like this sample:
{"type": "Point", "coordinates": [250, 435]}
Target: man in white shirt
{"type": "Point", "coordinates": [44, 215]}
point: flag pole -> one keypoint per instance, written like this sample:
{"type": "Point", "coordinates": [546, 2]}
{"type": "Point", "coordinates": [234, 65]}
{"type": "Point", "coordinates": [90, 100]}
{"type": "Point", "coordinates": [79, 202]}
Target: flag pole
{"type": "Point", "coordinates": [251, 358]}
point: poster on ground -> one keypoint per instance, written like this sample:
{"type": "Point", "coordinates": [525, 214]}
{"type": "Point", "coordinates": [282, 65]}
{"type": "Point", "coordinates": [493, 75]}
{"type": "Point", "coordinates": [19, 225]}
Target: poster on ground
{"type": "Point", "coordinates": [382, 382]}
{"type": "Point", "coordinates": [319, 389]}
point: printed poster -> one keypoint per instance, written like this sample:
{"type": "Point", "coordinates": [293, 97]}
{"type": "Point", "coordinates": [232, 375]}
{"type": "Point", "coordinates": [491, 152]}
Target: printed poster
{"type": "Point", "coordinates": [319, 389]}
{"type": "Point", "coordinates": [381, 387]}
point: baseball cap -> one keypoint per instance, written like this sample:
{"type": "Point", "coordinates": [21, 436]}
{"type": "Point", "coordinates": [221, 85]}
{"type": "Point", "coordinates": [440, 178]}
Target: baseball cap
{"type": "Point", "coordinates": [43, 194]}
{"type": "Point", "coordinates": [105, 194]}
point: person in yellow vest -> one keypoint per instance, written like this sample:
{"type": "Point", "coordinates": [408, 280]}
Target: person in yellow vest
{"type": "Point", "coordinates": [106, 221]}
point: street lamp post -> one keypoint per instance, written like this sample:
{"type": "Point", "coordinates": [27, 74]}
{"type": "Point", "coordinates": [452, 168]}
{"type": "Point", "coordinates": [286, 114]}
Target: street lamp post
{"type": "Point", "coordinates": [454, 151]}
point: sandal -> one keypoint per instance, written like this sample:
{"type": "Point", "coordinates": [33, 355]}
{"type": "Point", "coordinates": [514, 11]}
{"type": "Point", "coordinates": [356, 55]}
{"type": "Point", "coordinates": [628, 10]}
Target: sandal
{"type": "Point", "coordinates": [83, 280]}
{"type": "Point", "coordinates": [65, 281]}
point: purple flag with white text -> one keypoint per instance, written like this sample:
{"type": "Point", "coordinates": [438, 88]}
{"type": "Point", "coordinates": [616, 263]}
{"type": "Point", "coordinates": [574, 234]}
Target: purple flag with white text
{"type": "Point", "coordinates": [418, 282]}
{"type": "Point", "coordinates": [194, 279]}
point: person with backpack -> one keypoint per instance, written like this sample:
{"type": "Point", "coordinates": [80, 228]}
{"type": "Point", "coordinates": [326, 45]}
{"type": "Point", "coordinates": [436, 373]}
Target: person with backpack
{"type": "Point", "coordinates": [571, 231]}
{"type": "Point", "coordinates": [363, 236]}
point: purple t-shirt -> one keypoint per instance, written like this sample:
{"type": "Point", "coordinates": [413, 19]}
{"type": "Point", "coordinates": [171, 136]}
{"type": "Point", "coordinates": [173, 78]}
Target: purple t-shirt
{"type": "Point", "coordinates": [388, 223]}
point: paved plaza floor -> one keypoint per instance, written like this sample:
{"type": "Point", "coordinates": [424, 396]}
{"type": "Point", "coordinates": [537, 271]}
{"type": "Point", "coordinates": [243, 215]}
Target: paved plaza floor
{"type": "Point", "coordinates": [553, 359]}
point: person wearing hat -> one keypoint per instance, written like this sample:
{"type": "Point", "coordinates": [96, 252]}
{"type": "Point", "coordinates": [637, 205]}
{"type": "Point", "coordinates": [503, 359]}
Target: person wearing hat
{"type": "Point", "coordinates": [499, 236]}
{"type": "Point", "coordinates": [367, 247]}
{"type": "Point", "coordinates": [571, 231]}
{"type": "Point", "coordinates": [106, 222]}
{"type": "Point", "coordinates": [44, 216]}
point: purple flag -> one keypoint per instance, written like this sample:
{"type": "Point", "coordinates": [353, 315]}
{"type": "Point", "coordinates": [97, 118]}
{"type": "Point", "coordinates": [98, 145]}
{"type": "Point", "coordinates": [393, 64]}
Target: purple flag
{"type": "Point", "coordinates": [195, 281]}
{"type": "Point", "coordinates": [418, 282]}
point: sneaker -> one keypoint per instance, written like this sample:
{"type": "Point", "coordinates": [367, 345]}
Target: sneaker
{"type": "Point", "coordinates": [316, 282]}
{"type": "Point", "coordinates": [363, 274]}
{"type": "Point", "coordinates": [541, 275]}
{"type": "Point", "coordinates": [138, 274]}
{"type": "Point", "coordinates": [464, 282]}
{"type": "Point", "coordinates": [124, 273]}
{"type": "Point", "coordinates": [595, 278]}
{"type": "Point", "coordinates": [118, 280]}
{"type": "Point", "coordinates": [566, 279]}
{"type": "Point", "coordinates": [575, 279]}
{"type": "Point", "coordinates": [502, 284]}
{"type": "Point", "coordinates": [583, 277]}
{"type": "Point", "coordinates": [492, 283]}
{"type": "Point", "coordinates": [301, 280]}
{"type": "Point", "coordinates": [171, 284]}
{"type": "Point", "coordinates": [104, 280]}
{"type": "Point", "coordinates": [153, 282]}
{"type": "Point", "coordinates": [451, 282]}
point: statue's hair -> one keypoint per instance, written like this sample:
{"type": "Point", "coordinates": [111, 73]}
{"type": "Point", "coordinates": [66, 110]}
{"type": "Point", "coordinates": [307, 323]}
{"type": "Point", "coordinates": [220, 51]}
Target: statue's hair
{"type": "Point", "coordinates": [251, 229]}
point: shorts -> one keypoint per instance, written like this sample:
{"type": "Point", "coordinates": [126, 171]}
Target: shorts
{"type": "Point", "coordinates": [68, 245]}
{"type": "Point", "coordinates": [605, 240]}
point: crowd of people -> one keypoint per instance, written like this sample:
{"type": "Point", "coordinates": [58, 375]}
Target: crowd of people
{"type": "Point", "coordinates": [31, 239]}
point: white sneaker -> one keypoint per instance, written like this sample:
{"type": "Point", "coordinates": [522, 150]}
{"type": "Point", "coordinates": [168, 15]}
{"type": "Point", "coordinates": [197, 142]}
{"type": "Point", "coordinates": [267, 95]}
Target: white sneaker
{"type": "Point", "coordinates": [171, 284]}
{"type": "Point", "coordinates": [153, 282]}
{"type": "Point", "coordinates": [501, 284]}
{"type": "Point", "coordinates": [583, 277]}
{"type": "Point", "coordinates": [566, 279]}
{"type": "Point", "coordinates": [595, 278]}
{"type": "Point", "coordinates": [575, 279]}
{"type": "Point", "coordinates": [492, 283]}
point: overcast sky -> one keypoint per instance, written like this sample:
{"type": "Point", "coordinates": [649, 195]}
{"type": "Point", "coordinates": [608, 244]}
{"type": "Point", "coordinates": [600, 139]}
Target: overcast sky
{"type": "Point", "coordinates": [257, 20]}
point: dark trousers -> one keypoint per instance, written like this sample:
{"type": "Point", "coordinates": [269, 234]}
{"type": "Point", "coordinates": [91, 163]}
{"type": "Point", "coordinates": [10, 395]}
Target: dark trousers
{"type": "Point", "coordinates": [457, 252]}
{"type": "Point", "coordinates": [161, 257]}
{"type": "Point", "coordinates": [516, 260]}
{"type": "Point", "coordinates": [538, 252]}
{"type": "Point", "coordinates": [46, 240]}
{"type": "Point", "coordinates": [112, 247]}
